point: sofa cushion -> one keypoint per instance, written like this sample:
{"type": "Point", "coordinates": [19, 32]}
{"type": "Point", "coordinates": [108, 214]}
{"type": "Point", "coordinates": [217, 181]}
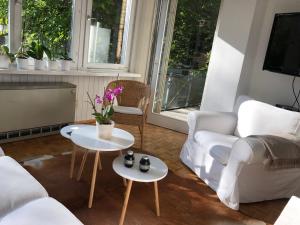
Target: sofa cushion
{"type": "Point", "coordinates": [258, 118]}
{"type": "Point", "coordinates": [17, 186]}
{"type": "Point", "coordinates": [216, 145]}
{"type": "Point", "coordinates": [128, 110]}
{"type": "Point", "coordinates": [43, 211]}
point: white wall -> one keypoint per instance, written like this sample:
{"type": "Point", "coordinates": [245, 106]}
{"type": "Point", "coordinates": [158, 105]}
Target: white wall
{"type": "Point", "coordinates": [228, 54]}
{"type": "Point", "coordinates": [268, 86]}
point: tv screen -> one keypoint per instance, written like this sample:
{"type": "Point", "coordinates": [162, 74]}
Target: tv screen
{"type": "Point", "coordinates": [283, 54]}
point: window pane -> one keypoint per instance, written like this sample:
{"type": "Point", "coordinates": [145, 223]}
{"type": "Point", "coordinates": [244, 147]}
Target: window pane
{"type": "Point", "coordinates": [185, 56]}
{"type": "Point", "coordinates": [49, 21]}
{"type": "Point", "coordinates": [3, 22]}
{"type": "Point", "coordinates": [108, 20]}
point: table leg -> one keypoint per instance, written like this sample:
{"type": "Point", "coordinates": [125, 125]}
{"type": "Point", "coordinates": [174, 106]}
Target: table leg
{"type": "Point", "coordinates": [82, 165]}
{"type": "Point", "coordinates": [156, 198]}
{"type": "Point", "coordinates": [100, 164]}
{"type": "Point", "coordinates": [129, 185]}
{"type": "Point", "coordinates": [124, 179]}
{"type": "Point", "coordinates": [93, 179]}
{"type": "Point", "coordinates": [73, 161]}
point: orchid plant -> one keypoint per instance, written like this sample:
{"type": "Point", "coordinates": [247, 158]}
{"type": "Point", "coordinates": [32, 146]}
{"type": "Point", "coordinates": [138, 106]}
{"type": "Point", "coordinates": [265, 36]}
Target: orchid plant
{"type": "Point", "coordinates": [106, 102]}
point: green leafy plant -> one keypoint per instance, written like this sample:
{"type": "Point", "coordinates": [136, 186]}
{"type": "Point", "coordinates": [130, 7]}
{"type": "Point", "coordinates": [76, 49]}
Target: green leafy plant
{"type": "Point", "coordinates": [21, 53]}
{"type": "Point", "coordinates": [49, 54]}
{"type": "Point", "coordinates": [5, 51]}
{"type": "Point", "coordinates": [36, 50]}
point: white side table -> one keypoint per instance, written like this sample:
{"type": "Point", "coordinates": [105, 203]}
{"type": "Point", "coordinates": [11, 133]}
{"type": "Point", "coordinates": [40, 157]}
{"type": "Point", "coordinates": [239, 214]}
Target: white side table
{"type": "Point", "coordinates": [86, 137]}
{"type": "Point", "coordinates": [158, 170]}
{"type": "Point", "coordinates": [66, 132]}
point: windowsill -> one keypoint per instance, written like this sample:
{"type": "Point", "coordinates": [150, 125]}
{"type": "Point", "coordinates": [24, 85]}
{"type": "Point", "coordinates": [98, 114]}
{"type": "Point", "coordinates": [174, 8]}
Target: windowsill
{"type": "Point", "coordinates": [69, 73]}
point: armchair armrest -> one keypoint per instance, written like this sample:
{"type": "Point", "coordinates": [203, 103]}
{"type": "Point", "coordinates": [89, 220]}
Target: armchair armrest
{"type": "Point", "coordinates": [248, 150]}
{"type": "Point", "coordinates": [1, 152]}
{"type": "Point", "coordinates": [221, 122]}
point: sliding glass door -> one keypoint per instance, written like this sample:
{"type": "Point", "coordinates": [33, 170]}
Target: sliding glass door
{"type": "Point", "coordinates": [184, 36]}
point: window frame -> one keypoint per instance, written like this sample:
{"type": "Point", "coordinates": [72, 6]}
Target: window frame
{"type": "Point", "coordinates": [79, 35]}
{"type": "Point", "coordinates": [128, 30]}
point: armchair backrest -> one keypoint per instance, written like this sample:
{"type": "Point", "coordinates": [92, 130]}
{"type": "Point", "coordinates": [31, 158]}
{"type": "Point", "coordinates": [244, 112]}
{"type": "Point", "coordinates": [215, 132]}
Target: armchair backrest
{"type": "Point", "coordinates": [135, 93]}
{"type": "Point", "coordinates": [259, 118]}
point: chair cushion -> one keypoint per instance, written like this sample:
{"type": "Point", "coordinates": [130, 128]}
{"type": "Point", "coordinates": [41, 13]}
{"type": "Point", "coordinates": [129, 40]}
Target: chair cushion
{"type": "Point", "coordinates": [1, 152]}
{"type": "Point", "coordinates": [128, 110]}
{"type": "Point", "coordinates": [17, 186]}
{"type": "Point", "coordinates": [258, 118]}
{"type": "Point", "coordinates": [216, 145]}
{"type": "Point", "coordinates": [45, 211]}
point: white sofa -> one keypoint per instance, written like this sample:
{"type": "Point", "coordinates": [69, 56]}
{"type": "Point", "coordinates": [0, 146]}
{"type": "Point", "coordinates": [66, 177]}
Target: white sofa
{"type": "Point", "coordinates": [24, 201]}
{"type": "Point", "coordinates": [218, 151]}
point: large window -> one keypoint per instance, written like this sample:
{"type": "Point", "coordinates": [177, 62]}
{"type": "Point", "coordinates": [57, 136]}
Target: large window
{"type": "Point", "coordinates": [3, 22]}
{"type": "Point", "coordinates": [94, 33]}
{"type": "Point", "coordinates": [50, 22]}
{"type": "Point", "coordinates": [108, 31]}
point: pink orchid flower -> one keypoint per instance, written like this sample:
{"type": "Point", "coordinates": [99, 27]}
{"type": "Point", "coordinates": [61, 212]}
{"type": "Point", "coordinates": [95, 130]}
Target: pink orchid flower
{"type": "Point", "coordinates": [118, 90]}
{"type": "Point", "coordinates": [98, 99]}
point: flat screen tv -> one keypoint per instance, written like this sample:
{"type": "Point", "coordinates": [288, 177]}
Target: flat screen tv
{"type": "Point", "coordinates": [283, 53]}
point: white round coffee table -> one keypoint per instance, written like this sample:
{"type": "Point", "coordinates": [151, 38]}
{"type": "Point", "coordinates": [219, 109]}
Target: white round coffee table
{"type": "Point", "coordinates": [86, 137]}
{"type": "Point", "coordinates": [67, 132]}
{"type": "Point", "coordinates": [158, 170]}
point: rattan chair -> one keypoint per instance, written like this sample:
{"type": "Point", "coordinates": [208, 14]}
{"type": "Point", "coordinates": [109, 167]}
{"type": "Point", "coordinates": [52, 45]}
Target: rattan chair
{"type": "Point", "coordinates": [132, 104]}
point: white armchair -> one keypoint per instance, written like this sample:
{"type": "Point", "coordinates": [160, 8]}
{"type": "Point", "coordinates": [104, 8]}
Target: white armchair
{"type": "Point", "coordinates": [1, 152]}
{"type": "Point", "coordinates": [220, 152]}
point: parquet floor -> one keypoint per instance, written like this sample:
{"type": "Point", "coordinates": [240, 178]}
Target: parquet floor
{"type": "Point", "coordinates": [161, 142]}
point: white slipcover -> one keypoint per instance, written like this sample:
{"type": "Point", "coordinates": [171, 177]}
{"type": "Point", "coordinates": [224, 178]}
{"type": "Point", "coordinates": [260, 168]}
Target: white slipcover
{"type": "Point", "coordinates": [1, 152]}
{"type": "Point", "coordinates": [128, 110]}
{"type": "Point", "coordinates": [219, 152]}
{"type": "Point", "coordinates": [290, 213]}
{"type": "Point", "coordinates": [24, 201]}
{"type": "Point", "coordinates": [17, 186]}
{"type": "Point", "coordinates": [43, 211]}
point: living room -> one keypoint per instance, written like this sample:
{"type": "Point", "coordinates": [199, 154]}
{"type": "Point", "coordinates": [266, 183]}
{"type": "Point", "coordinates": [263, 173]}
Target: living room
{"type": "Point", "coordinates": [149, 112]}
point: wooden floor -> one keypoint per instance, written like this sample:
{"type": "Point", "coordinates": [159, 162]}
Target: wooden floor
{"type": "Point", "coordinates": [161, 142]}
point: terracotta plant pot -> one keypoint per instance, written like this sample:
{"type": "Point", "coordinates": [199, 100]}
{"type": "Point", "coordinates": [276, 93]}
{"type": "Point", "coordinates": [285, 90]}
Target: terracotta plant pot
{"type": "Point", "coordinates": [104, 130]}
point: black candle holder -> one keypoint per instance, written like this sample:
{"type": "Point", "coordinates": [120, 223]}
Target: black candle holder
{"type": "Point", "coordinates": [144, 164]}
{"type": "Point", "coordinates": [129, 159]}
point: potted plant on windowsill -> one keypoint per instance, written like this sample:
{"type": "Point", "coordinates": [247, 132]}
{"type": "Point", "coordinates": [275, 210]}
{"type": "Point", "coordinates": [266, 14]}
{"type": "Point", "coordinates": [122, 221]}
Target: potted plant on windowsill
{"type": "Point", "coordinates": [22, 58]}
{"type": "Point", "coordinates": [65, 63]}
{"type": "Point", "coordinates": [4, 61]}
{"type": "Point", "coordinates": [36, 51]}
{"type": "Point", "coordinates": [51, 62]}
{"type": "Point", "coordinates": [104, 124]}
{"type": "Point", "coordinates": [10, 57]}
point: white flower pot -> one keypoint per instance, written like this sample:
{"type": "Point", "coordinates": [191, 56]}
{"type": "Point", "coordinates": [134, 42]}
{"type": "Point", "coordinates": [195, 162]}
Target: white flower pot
{"type": "Point", "coordinates": [39, 64]}
{"type": "Point", "coordinates": [52, 65]}
{"type": "Point", "coordinates": [22, 64]}
{"type": "Point", "coordinates": [65, 65]}
{"type": "Point", "coordinates": [4, 61]}
{"type": "Point", "coordinates": [104, 130]}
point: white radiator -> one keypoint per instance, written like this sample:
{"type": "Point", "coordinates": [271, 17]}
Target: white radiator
{"type": "Point", "coordinates": [33, 109]}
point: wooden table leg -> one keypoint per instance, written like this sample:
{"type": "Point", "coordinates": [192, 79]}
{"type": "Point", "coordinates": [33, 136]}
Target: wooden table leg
{"type": "Point", "coordinates": [100, 164]}
{"type": "Point", "coordinates": [129, 185]}
{"type": "Point", "coordinates": [82, 165]}
{"type": "Point", "coordinates": [93, 179]}
{"type": "Point", "coordinates": [156, 198]}
{"type": "Point", "coordinates": [124, 179]}
{"type": "Point", "coordinates": [73, 161]}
